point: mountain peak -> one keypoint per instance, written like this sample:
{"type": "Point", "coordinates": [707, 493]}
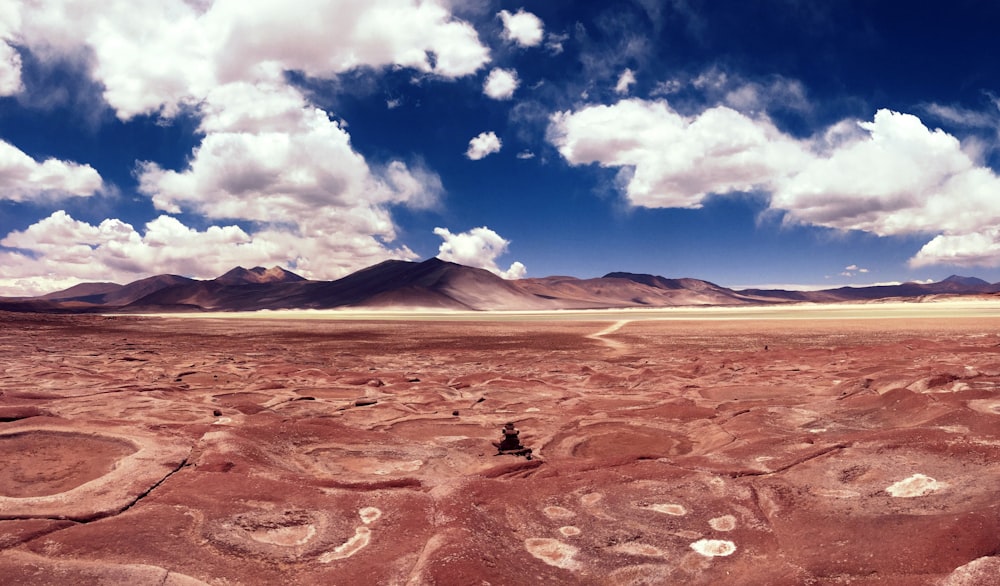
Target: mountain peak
{"type": "Point", "coordinates": [257, 275]}
{"type": "Point", "coordinates": [968, 281]}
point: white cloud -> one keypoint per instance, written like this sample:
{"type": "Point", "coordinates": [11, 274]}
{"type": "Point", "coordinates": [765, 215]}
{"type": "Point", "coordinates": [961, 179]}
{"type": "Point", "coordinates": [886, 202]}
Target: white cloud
{"type": "Point", "coordinates": [670, 160]}
{"type": "Point", "coordinates": [625, 81]}
{"type": "Point", "coordinates": [479, 247]}
{"type": "Point", "coordinates": [891, 176]}
{"type": "Point", "coordinates": [486, 143]}
{"type": "Point", "coordinates": [161, 55]}
{"type": "Point", "coordinates": [500, 84]}
{"type": "Point", "coordinates": [23, 178]}
{"type": "Point", "coordinates": [10, 70]}
{"type": "Point", "coordinates": [10, 59]}
{"type": "Point", "coordinates": [268, 156]}
{"type": "Point", "coordinates": [974, 249]}
{"type": "Point", "coordinates": [554, 43]}
{"type": "Point", "coordinates": [523, 28]}
{"type": "Point", "coordinates": [965, 117]}
{"type": "Point", "coordinates": [899, 178]}
{"type": "Point", "coordinates": [66, 251]}
{"type": "Point", "coordinates": [524, 155]}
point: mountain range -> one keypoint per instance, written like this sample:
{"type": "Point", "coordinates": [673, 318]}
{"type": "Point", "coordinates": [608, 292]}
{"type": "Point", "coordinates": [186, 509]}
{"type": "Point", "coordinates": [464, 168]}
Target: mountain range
{"type": "Point", "coordinates": [439, 284]}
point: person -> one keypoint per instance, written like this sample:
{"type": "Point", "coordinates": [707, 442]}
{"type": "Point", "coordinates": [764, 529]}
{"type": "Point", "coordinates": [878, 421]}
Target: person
{"type": "Point", "coordinates": [509, 440]}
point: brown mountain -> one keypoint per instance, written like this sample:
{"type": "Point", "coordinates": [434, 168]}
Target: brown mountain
{"type": "Point", "coordinates": [242, 276]}
{"type": "Point", "coordinates": [439, 284]}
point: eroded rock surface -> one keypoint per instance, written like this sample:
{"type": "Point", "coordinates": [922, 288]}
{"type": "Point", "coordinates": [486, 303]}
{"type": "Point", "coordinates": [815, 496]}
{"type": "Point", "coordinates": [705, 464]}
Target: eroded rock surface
{"type": "Point", "coordinates": [179, 451]}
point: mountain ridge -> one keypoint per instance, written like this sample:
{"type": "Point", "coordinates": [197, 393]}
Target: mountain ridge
{"type": "Point", "coordinates": [439, 284]}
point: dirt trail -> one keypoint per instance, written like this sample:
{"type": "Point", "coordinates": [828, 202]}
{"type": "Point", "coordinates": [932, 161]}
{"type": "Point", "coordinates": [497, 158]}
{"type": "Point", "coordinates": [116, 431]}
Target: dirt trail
{"type": "Point", "coordinates": [612, 343]}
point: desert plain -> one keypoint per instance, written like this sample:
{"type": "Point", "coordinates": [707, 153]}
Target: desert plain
{"type": "Point", "coordinates": [840, 445]}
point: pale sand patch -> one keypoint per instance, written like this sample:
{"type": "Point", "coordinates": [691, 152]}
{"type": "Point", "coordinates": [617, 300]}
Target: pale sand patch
{"type": "Point", "coordinates": [369, 515]}
{"type": "Point", "coordinates": [723, 523]}
{"type": "Point", "coordinates": [643, 549]}
{"type": "Point", "coordinates": [988, 406]}
{"type": "Point", "coordinates": [553, 552]}
{"type": "Point", "coordinates": [714, 547]}
{"type": "Point", "coordinates": [668, 508]}
{"type": "Point", "coordinates": [591, 499]}
{"type": "Point", "coordinates": [978, 572]}
{"type": "Point", "coordinates": [614, 344]}
{"type": "Point", "coordinates": [558, 513]}
{"type": "Point", "coordinates": [914, 486]}
{"type": "Point", "coordinates": [289, 536]}
{"type": "Point", "coordinates": [569, 531]}
{"type": "Point", "coordinates": [222, 421]}
{"type": "Point", "coordinates": [362, 536]}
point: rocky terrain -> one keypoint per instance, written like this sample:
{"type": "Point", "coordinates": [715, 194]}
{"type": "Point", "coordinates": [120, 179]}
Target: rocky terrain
{"type": "Point", "coordinates": [204, 451]}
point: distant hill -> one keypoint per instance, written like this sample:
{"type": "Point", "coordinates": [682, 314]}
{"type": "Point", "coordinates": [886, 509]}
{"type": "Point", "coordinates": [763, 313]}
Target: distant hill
{"type": "Point", "coordinates": [435, 283]}
{"type": "Point", "coordinates": [242, 276]}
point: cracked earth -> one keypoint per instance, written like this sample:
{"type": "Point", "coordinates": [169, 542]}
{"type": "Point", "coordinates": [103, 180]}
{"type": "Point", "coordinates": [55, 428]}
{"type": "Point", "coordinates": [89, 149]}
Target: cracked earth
{"type": "Point", "coordinates": [182, 452]}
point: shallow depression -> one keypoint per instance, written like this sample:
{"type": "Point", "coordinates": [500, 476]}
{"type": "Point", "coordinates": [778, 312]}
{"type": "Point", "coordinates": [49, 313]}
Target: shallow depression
{"type": "Point", "coordinates": [43, 463]}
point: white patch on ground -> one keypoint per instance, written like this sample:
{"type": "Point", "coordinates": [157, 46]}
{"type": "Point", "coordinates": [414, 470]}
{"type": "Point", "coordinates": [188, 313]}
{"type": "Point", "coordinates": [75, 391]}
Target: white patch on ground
{"type": "Point", "coordinates": [914, 486]}
{"type": "Point", "coordinates": [369, 515]}
{"type": "Point", "coordinates": [634, 548]}
{"type": "Point", "coordinates": [362, 536]}
{"type": "Point", "coordinates": [558, 513]}
{"type": "Point", "coordinates": [957, 429]}
{"type": "Point", "coordinates": [532, 410]}
{"type": "Point", "coordinates": [723, 523]}
{"type": "Point", "coordinates": [978, 572]}
{"type": "Point", "coordinates": [553, 552]}
{"type": "Point", "coordinates": [222, 421]}
{"type": "Point", "coordinates": [569, 531]}
{"type": "Point", "coordinates": [714, 547]}
{"type": "Point", "coordinates": [667, 508]}
{"type": "Point", "coordinates": [285, 536]}
{"type": "Point", "coordinates": [988, 406]}
{"type": "Point", "coordinates": [591, 499]}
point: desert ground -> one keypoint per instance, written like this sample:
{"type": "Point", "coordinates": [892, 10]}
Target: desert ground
{"type": "Point", "coordinates": [846, 445]}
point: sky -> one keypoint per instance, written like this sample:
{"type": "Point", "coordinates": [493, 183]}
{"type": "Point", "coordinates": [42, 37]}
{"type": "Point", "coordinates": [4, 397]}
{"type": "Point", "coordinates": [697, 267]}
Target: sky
{"type": "Point", "coordinates": [790, 143]}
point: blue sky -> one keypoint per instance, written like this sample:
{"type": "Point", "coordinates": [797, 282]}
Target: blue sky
{"type": "Point", "coordinates": [750, 143]}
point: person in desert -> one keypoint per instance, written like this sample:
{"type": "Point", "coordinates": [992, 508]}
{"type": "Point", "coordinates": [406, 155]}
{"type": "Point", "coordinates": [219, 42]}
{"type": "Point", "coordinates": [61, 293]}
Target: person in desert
{"type": "Point", "coordinates": [509, 439]}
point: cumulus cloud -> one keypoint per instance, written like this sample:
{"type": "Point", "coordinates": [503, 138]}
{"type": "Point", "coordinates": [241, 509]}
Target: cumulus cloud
{"type": "Point", "coordinates": [890, 176]}
{"type": "Point", "coordinates": [162, 55]}
{"type": "Point", "coordinates": [500, 84]}
{"type": "Point", "coordinates": [10, 59]}
{"type": "Point", "coordinates": [625, 81]}
{"type": "Point", "coordinates": [479, 247]}
{"type": "Point", "coordinates": [523, 28]}
{"type": "Point", "coordinates": [268, 156]}
{"type": "Point", "coordinates": [22, 178]}
{"type": "Point", "coordinates": [975, 249]}
{"type": "Point", "coordinates": [10, 70]}
{"type": "Point", "coordinates": [899, 178]}
{"type": "Point", "coordinates": [670, 160]}
{"type": "Point", "coordinates": [486, 143]}
{"type": "Point", "coordinates": [66, 251]}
